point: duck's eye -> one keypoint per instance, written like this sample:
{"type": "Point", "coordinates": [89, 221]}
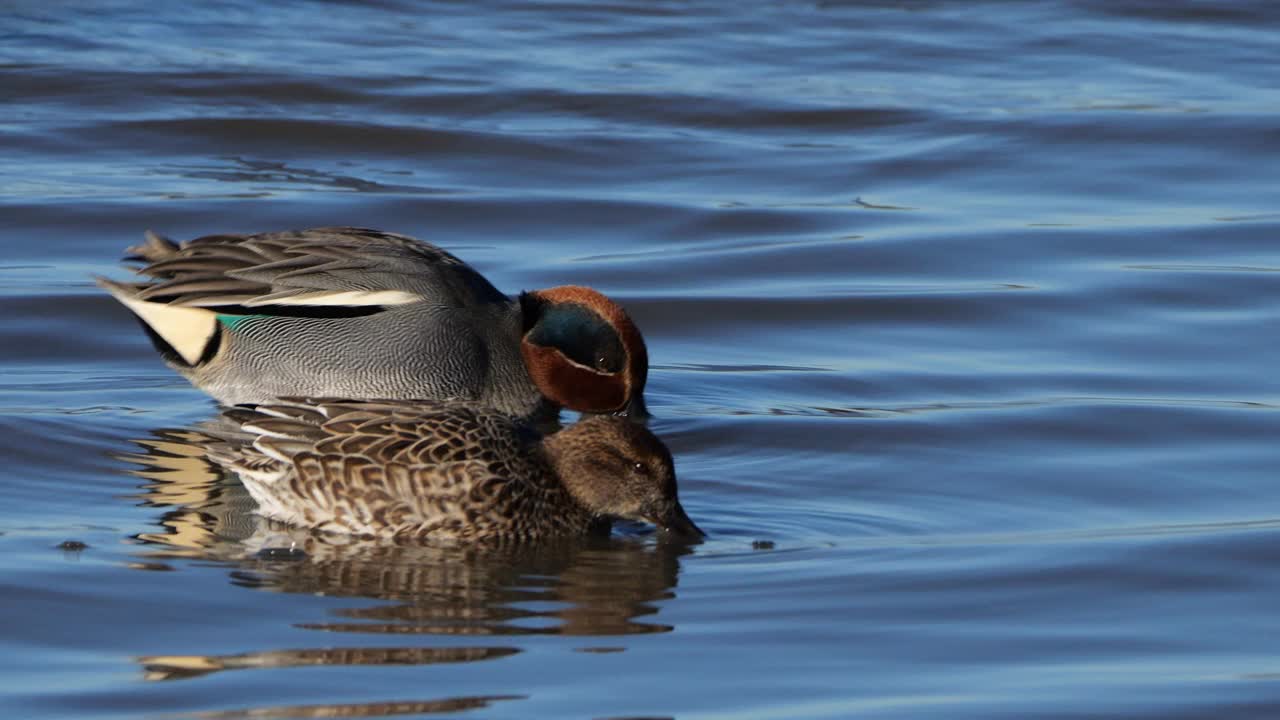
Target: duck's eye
{"type": "Point", "coordinates": [639, 467]}
{"type": "Point", "coordinates": [602, 363]}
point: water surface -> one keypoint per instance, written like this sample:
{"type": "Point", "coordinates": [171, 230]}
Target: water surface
{"type": "Point", "coordinates": [963, 322]}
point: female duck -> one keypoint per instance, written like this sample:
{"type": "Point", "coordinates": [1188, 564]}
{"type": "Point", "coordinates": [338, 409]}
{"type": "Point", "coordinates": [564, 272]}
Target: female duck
{"type": "Point", "coordinates": [449, 470]}
{"type": "Point", "coordinates": [358, 313]}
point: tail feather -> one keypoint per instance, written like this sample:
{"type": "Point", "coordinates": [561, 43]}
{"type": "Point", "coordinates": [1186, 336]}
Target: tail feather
{"type": "Point", "coordinates": [179, 333]}
{"type": "Point", "coordinates": [155, 247]}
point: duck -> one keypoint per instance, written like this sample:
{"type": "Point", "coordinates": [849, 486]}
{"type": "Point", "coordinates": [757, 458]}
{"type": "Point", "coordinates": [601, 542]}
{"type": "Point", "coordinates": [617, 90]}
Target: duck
{"type": "Point", "coordinates": [359, 313]}
{"type": "Point", "coordinates": [449, 470]}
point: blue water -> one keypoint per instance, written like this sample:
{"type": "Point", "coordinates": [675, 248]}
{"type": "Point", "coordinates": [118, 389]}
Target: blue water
{"type": "Point", "coordinates": [964, 322]}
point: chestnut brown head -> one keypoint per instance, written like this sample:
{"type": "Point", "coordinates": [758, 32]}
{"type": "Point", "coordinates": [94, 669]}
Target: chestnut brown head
{"type": "Point", "coordinates": [582, 350]}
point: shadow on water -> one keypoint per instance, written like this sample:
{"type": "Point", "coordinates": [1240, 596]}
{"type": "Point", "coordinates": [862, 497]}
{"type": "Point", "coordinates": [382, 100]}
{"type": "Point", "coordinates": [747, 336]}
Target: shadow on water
{"type": "Point", "coordinates": [600, 586]}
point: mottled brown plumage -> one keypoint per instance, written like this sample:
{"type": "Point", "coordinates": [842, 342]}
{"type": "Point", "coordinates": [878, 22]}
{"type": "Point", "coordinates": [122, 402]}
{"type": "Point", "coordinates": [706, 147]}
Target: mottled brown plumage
{"type": "Point", "coordinates": [451, 470]}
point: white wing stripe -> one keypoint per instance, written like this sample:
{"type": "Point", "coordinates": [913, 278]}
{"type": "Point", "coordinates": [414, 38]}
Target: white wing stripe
{"type": "Point", "coordinates": [347, 298]}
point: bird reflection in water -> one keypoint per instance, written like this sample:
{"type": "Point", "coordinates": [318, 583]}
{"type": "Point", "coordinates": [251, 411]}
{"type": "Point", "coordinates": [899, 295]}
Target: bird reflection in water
{"type": "Point", "coordinates": [596, 586]}
{"type": "Point", "coordinates": [380, 709]}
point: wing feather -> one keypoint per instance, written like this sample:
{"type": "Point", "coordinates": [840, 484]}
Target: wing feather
{"type": "Point", "coordinates": [387, 467]}
{"type": "Point", "coordinates": [338, 266]}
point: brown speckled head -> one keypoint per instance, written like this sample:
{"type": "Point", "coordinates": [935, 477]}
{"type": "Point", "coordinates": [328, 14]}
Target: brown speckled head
{"type": "Point", "coordinates": [619, 469]}
{"type": "Point", "coordinates": [582, 350]}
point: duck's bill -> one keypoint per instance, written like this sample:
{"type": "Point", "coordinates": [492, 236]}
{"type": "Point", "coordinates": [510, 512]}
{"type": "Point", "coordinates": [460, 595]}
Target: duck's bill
{"type": "Point", "coordinates": [676, 522]}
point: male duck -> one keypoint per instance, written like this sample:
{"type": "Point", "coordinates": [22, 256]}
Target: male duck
{"type": "Point", "coordinates": [449, 470]}
{"type": "Point", "coordinates": [358, 313]}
